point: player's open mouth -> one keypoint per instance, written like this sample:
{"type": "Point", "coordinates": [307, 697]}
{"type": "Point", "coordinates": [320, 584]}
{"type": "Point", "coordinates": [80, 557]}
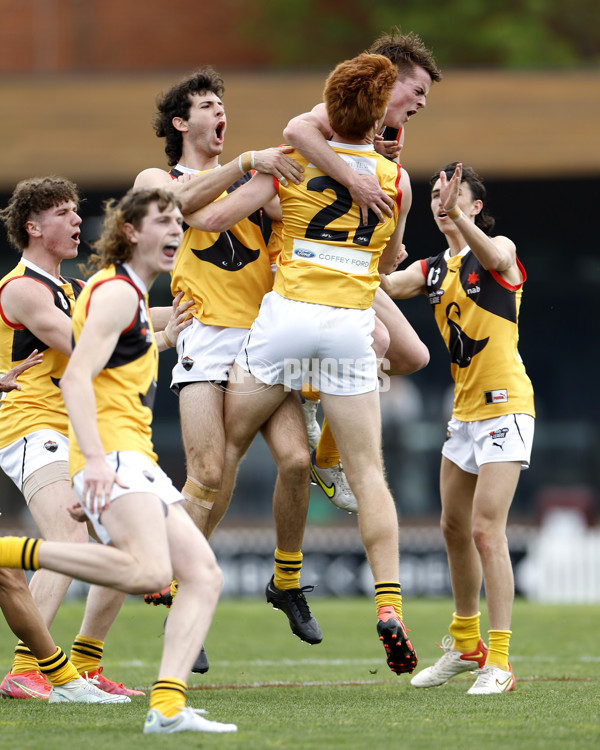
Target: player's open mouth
{"type": "Point", "coordinates": [75, 237]}
{"type": "Point", "coordinates": [220, 131]}
{"type": "Point", "coordinates": [171, 249]}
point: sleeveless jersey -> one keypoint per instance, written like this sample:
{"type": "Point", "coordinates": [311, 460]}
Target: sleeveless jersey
{"type": "Point", "coordinates": [329, 257]}
{"type": "Point", "coordinates": [39, 404]}
{"type": "Point", "coordinates": [226, 274]}
{"type": "Point", "coordinates": [477, 314]}
{"type": "Point", "coordinates": [126, 387]}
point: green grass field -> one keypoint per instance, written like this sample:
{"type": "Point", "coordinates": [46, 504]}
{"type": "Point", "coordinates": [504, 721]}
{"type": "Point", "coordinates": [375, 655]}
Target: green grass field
{"type": "Point", "coordinates": [283, 693]}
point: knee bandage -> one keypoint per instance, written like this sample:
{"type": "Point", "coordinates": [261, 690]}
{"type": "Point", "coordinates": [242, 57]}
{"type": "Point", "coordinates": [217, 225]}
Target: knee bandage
{"type": "Point", "coordinates": [197, 493]}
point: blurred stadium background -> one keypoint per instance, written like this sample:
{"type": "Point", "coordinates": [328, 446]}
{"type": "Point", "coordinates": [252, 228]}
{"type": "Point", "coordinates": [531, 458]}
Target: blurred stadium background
{"type": "Point", "coordinates": [520, 102]}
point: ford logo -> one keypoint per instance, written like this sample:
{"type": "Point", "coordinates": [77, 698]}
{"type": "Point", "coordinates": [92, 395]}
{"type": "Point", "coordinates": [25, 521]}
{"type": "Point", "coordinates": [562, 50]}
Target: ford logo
{"type": "Point", "coordinates": [304, 253]}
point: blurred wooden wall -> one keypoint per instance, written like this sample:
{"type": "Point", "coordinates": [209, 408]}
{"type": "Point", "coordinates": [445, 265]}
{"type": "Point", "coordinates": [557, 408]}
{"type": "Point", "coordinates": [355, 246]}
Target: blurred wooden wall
{"type": "Point", "coordinates": [97, 129]}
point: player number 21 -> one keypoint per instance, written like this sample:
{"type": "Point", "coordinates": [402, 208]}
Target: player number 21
{"type": "Point", "coordinates": [317, 228]}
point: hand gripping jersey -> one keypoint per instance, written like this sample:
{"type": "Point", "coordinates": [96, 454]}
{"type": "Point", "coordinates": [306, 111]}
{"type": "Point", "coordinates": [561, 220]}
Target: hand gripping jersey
{"type": "Point", "coordinates": [226, 274]}
{"type": "Point", "coordinates": [477, 313]}
{"type": "Point", "coordinates": [126, 387]}
{"type": "Point", "coordinates": [329, 256]}
{"type": "Point", "coordinates": [39, 404]}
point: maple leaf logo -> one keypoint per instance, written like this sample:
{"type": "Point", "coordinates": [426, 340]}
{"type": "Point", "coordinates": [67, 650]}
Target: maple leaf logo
{"type": "Point", "coordinates": [473, 278]}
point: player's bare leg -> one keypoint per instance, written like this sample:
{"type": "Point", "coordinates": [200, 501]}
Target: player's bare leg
{"type": "Point", "coordinates": [203, 436]}
{"type": "Point", "coordinates": [356, 424]}
{"type": "Point", "coordinates": [406, 352]}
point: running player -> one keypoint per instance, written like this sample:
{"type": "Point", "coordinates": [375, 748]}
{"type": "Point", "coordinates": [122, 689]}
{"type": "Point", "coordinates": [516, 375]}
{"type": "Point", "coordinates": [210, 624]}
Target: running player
{"type": "Point", "coordinates": [108, 388]}
{"type": "Point", "coordinates": [35, 307]}
{"type": "Point", "coordinates": [475, 289]}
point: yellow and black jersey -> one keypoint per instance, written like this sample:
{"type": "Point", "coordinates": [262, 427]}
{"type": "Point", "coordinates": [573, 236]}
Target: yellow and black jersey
{"type": "Point", "coordinates": [328, 255]}
{"type": "Point", "coordinates": [39, 404]}
{"type": "Point", "coordinates": [226, 273]}
{"type": "Point", "coordinates": [126, 386]}
{"type": "Point", "coordinates": [477, 313]}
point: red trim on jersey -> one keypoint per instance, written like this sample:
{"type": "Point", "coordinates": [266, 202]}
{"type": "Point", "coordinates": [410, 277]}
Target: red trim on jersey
{"type": "Point", "coordinates": [9, 323]}
{"type": "Point", "coordinates": [398, 191]}
{"type": "Point", "coordinates": [114, 278]}
{"type": "Point", "coordinates": [424, 267]}
{"type": "Point", "coordinates": [505, 284]}
{"type": "Point", "coordinates": [276, 184]}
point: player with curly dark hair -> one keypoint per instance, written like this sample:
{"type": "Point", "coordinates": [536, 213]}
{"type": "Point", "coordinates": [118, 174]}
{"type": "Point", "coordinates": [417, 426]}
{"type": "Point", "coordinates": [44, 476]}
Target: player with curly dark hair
{"type": "Point", "coordinates": [475, 288]}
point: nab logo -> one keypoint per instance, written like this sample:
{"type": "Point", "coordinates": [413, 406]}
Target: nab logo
{"type": "Point", "coordinates": [304, 253]}
{"type": "Point", "coordinates": [473, 281]}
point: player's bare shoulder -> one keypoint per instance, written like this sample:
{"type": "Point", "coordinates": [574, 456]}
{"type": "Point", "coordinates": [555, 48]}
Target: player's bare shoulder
{"type": "Point", "coordinates": [152, 177]}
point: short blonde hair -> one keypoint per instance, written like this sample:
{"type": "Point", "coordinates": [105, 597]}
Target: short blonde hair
{"type": "Point", "coordinates": [357, 93]}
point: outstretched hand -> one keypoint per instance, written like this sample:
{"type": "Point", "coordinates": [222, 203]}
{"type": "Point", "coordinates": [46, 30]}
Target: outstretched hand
{"type": "Point", "coordinates": [449, 188]}
{"type": "Point", "coordinates": [8, 382]}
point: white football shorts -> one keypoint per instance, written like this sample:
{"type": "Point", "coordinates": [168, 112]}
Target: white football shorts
{"type": "Point", "coordinates": [140, 475]}
{"type": "Point", "coordinates": [291, 343]}
{"type": "Point", "coordinates": [205, 353]}
{"type": "Point", "coordinates": [507, 438]}
{"type": "Point", "coordinates": [29, 455]}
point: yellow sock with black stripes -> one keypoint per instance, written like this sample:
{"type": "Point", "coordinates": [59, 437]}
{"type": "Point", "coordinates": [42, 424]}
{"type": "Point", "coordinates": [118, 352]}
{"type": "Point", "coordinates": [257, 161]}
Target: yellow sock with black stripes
{"type": "Point", "coordinates": [168, 696]}
{"type": "Point", "coordinates": [498, 649]}
{"type": "Point", "coordinates": [466, 632]}
{"type": "Point", "coordinates": [19, 552]}
{"type": "Point", "coordinates": [286, 572]}
{"type": "Point", "coordinates": [174, 586]}
{"type": "Point", "coordinates": [86, 653]}
{"type": "Point", "coordinates": [57, 669]}
{"type": "Point", "coordinates": [326, 453]}
{"type": "Point", "coordinates": [24, 660]}
{"type": "Point", "coordinates": [388, 594]}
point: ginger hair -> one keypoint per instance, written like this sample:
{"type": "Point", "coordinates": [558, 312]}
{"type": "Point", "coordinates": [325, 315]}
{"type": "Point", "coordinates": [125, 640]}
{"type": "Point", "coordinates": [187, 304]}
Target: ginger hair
{"type": "Point", "coordinates": [357, 93]}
